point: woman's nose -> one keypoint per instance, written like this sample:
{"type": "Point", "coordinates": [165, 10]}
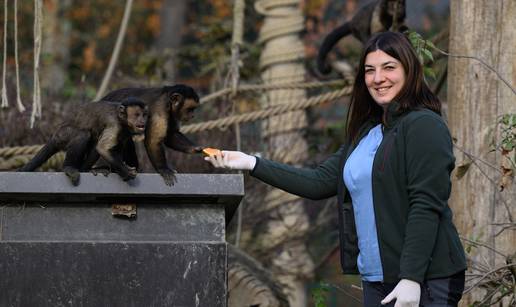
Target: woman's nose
{"type": "Point", "coordinates": [378, 77]}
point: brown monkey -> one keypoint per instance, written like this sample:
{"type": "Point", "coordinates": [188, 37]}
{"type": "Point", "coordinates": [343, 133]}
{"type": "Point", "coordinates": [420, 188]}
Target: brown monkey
{"type": "Point", "coordinates": [96, 129]}
{"type": "Point", "coordinates": [168, 107]}
{"type": "Point", "coordinates": [373, 17]}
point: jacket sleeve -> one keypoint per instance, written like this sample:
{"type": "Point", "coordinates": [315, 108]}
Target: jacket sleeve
{"type": "Point", "coordinates": [429, 162]}
{"type": "Point", "coordinates": [313, 183]}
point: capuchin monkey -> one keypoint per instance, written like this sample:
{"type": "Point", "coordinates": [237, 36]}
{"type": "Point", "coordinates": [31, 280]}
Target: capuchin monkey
{"type": "Point", "coordinates": [96, 129]}
{"type": "Point", "coordinates": [168, 107]}
{"type": "Point", "coordinates": [377, 16]}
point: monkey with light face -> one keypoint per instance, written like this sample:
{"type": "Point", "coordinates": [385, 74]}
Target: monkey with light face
{"type": "Point", "coordinates": [168, 106]}
{"type": "Point", "coordinates": [96, 129]}
{"type": "Point", "coordinates": [377, 16]}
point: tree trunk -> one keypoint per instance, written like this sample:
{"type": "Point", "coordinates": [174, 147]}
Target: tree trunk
{"type": "Point", "coordinates": [281, 61]}
{"type": "Point", "coordinates": [476, 99]}
{"type": "Point", "coordinates": [172, 19]}
{"type": "Point", "coordinates": [55, 45]}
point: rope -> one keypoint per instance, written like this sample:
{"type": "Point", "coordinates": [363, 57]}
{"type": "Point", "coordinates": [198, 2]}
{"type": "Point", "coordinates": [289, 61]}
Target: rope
{"type": "Point", "coordinates": [8, 152]}
{"type": "Point", "coordinates": [275, 110]}
{"type": "Point", "coordinates": [5, 102]}
{"type": "Point", "coordinates": [36, 104]}
{"type": "Point", "coordinates": [237, 40]}
{"type": "Point", "coordinates": [15, 162]}
{"type": "Point", "coordinates": [116, 50]}
{"type": "Point", "coordinates": [19, 103]}
{"type": "Point", "coordinates": [272, 86]}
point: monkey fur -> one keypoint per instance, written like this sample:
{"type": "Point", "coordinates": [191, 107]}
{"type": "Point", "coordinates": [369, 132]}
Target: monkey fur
{"type": "Point", "coordinates": [96, 129]}
{"type": "Point", "coordinates": [168, 106]}
{"type": "Point", "coordinates": [373, 17]}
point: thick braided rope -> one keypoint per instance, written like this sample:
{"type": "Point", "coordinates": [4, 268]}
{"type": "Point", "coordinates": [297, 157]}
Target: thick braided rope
{"type": "Point", "coordinates": [8, 152]}
{"type": "Point", "coordinates": [256, 115]}
{"type": "Point", "coordinates": [272, 86]}
{"type": "Point", "coordinates": [14, 162]}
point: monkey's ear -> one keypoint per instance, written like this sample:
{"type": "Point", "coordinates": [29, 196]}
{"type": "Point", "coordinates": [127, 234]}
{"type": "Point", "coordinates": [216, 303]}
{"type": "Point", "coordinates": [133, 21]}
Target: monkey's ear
{"type": "Point", "coordinates": [176, 101]}
{"type": "Point", "coordinates": [121, 111]}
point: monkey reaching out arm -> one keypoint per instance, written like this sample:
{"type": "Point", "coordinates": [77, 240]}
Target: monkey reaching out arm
{"type": "Point", "coordinates": [168, 107]}
{"type": "Point", "coordinates": [96, 129]}
{"type": "Point", "coordinates": [377, 16]}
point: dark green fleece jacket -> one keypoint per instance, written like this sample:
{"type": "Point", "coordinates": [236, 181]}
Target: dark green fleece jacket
{"type": "Point", "coordinates": [411, 187]}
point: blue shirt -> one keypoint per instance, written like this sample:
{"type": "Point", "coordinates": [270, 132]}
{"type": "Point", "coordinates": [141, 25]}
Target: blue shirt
{"type": "Point", "coordinates": [357, 178]}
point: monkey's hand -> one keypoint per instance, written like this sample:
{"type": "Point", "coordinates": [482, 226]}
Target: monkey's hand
{"type": "Point", "coordinates": [132, 172]}
{"type": "Point", "coordinates": [105, 171]}
{"type": "Point", "coordinates": [168, 175]}
{"type": "Point", "coordinates": [197, 149]}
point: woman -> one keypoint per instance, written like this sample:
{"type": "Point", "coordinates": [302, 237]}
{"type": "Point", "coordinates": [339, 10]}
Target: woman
{"type": "Point", "coordinates": [392, 179]}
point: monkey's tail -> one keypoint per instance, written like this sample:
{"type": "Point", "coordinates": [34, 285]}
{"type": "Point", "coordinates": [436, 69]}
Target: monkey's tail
{"type": "Point", "coordinates": [41, 157]}
{"type": "Point", "coordinates": [329, 41]}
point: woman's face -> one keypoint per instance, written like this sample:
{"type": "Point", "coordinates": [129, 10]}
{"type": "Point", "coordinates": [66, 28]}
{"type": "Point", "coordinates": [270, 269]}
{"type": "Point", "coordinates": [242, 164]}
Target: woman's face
{"type": "Point", "coordinates": [384, 77]}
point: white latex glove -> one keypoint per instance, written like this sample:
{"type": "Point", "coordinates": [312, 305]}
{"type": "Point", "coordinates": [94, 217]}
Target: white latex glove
{"type": "Point", "coordinates": [407, 294]}
{"type": "Point", "coordinates": [232, 160]}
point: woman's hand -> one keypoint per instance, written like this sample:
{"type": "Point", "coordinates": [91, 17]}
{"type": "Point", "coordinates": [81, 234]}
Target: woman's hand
{"type": "Point", "coordinates": [407, 294]}
{"type": "Point", "coordinates": [232, 160]}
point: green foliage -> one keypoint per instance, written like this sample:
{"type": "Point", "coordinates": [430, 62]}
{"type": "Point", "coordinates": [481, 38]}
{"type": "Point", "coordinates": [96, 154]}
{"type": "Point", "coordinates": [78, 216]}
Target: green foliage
{"type": "Point", "coordinates": [423, 49]}
{"type": "Point", "coordinates": [319, 294]}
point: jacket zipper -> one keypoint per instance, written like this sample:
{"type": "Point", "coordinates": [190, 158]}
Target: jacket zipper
{"type": "Point", "coordinates": [387, 150]}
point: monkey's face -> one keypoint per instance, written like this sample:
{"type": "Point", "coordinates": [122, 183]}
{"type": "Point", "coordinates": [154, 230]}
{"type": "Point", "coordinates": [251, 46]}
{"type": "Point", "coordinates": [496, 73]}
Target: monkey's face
{"type": "Point", "coordinates": [136, 119]}
{"type": "Point", "coordinates": [384, 77]}
{"type": "Point", "coordinates": [396, 8]}
{"type": "Point", "coordinates": [186, 113]}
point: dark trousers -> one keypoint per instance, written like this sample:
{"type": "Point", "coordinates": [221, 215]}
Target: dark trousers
{"type": "Point", "coordinates": [442, 292]}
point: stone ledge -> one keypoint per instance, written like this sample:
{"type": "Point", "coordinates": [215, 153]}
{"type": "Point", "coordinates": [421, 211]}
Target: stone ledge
{"type": "Point", "coordinates": [226, 189]}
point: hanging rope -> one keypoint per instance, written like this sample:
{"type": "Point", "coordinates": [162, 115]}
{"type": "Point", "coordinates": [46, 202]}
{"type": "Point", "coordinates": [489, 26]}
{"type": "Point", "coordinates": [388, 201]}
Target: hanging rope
{"type": "Point", "coordinates": [19, 103]}
{"type": "Point", "coordinates": [5, 103]}
{"type": "Point", "coordinates": [237, 40]}
{"type": "Point", "coordinates": [36, 104]}
{"type": "Point", "coordinates": [116, 50]}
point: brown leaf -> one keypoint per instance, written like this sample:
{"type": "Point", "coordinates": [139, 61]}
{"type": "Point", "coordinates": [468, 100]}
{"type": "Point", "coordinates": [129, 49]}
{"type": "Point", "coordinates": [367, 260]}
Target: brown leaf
{"type": "Point", "coordinates": [462, 169]}
{"type": "Point", "coordinates": [507, 178]}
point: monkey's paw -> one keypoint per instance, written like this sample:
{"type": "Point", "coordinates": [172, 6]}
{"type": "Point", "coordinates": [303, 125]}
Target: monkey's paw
{"type": "Point", "coordinates": [73, 174]}
{"type": "Point", "coordinates": [101, 170]}
{"type": "Point", "coordinates": [197, 149]}
{"type": "Point", "coordinates": [169, 176]}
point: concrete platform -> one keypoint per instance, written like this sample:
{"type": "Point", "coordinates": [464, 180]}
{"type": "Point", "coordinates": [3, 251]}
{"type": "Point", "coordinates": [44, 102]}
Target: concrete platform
{"type": "Point", "coordinates": [60, 245]}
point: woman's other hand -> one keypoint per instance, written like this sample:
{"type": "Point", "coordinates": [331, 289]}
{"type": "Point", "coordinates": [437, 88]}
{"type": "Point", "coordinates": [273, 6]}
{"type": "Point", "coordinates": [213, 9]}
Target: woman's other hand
{"type": "Point", "coordinates": [407, 294]}
{"type": "Point", "coordinates": [232, 160]}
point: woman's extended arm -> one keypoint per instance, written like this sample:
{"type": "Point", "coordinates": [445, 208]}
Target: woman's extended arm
{"type": "Point", "coordinates": [314, 183]}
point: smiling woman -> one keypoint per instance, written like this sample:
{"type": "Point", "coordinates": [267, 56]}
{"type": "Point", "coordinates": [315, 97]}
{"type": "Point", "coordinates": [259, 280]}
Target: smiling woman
{"type": "Point", "coordinates": [384, 77]}
{"type": "Point", "coordinates": [392, 181]}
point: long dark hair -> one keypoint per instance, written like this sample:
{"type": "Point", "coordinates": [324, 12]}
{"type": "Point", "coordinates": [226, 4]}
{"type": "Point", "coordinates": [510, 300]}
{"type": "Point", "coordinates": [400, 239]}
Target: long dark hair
{"type": "Point", "coordinates": [414, 94]}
